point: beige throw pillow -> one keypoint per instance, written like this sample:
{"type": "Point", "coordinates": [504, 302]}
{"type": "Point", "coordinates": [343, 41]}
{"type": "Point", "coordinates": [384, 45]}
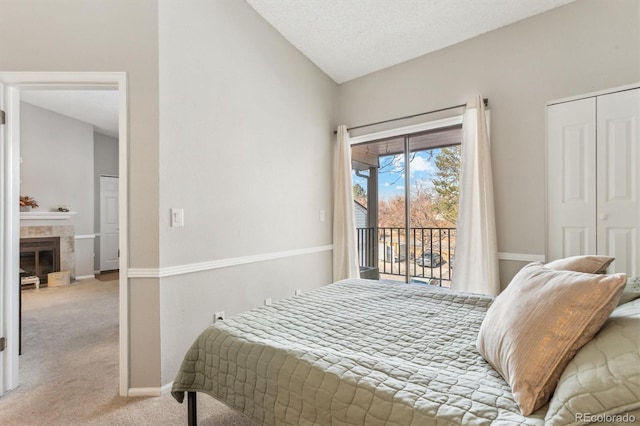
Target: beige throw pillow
{"type": "Point", "coordinates": [591, 264]}
{"type": "Point", "coordinates": [538, 323]}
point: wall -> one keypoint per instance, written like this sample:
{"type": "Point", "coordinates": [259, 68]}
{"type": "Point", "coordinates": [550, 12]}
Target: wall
{"type": "Point", "coordinates": [64, 161]}
{"type": "Point", "coordinates": [248, 112]}
{"type": "Point", "coordinates": [105, 163]}
{"type": "Point", "coordinates": [57, 166]}
{"type": "Point", "coordinates": [57, 169]}
{"type": "Point", "coordinates": [245, 149]}
{"type": "Point", "coordinates": [107, 35]}
{"type": "Point", "coordinates": [581, 47]}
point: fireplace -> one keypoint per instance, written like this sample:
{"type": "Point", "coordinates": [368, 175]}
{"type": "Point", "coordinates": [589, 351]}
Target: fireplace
{"type": "Point", "coordinates": [66, 234]}
{"type": "Point", "coordinates": [40, 256]}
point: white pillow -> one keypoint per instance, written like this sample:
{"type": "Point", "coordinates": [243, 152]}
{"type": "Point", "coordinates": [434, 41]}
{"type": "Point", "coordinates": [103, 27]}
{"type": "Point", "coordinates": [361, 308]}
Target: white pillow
{"type": "Point", "coordinates": [603, 379]}
{"type": "Point", "coordinates": [631, 291]}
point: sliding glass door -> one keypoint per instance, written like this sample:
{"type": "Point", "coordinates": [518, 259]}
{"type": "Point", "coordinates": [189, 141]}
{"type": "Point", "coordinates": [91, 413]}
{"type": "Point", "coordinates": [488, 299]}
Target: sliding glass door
{"type": "Point", "coordinates": [406, 194]}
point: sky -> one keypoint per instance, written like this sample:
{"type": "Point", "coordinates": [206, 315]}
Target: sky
{"type": "Point", "coordinates": [392, 178]}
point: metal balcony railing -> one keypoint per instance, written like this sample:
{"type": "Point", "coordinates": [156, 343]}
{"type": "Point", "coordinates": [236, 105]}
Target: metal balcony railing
{"type": "Point", "coordinates": [431, 252]}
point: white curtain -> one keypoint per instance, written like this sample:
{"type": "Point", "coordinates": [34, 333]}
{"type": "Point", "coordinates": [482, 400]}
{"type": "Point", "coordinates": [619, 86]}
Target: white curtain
{"type": "Point", "coordinates": [345, 251]}
{"type": "Point", "coordinates": [476, 265]}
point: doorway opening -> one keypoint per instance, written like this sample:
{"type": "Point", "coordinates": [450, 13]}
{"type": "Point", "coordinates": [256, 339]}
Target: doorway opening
{"type": "Point", "coordinates": [16, 90]}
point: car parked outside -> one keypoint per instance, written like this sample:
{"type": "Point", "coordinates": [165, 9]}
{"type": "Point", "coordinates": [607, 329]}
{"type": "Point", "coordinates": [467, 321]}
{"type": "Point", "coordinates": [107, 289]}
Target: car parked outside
{"type": "Point", "coordinates": [430, 259]}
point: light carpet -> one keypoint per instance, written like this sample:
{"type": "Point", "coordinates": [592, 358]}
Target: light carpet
{"type": "Point", "coordinates": [69, 366]}
{"type": "Point", "coordinates": [108, 276]}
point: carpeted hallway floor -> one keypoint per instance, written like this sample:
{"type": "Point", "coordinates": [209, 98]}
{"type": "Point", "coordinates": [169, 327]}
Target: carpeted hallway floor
{"type": "Point", "coordinates": [69, 366]}
{"type": "Point", "coordinates": [108, 276]}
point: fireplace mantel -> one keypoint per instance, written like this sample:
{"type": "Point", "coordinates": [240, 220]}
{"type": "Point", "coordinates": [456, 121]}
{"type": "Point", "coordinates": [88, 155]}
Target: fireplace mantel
{"type": "Point", "coordinates": [46, 215]}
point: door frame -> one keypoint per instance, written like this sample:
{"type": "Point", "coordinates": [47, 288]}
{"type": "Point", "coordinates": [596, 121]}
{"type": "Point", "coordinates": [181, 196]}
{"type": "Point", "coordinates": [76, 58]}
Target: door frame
{"type": "Point", "coordinates": [13, 83]}
{"type": "Point", "coordinates": [405, 132]}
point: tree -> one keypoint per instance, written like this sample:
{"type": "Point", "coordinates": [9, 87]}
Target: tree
{"type": "Point", "coordinates": [394, 165]}
{"type": "Point", "coordinates": [422, 206]}
{"type": "Point", "coordinates": [434, 203]}
{"type": "Point", "coordinates": [360, 194]}
{"type": "Point", "coordinates": [391, 212]}
{"type": "Point", "coordinates": [446, 184]}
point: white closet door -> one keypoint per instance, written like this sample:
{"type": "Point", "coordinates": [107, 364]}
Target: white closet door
{"type": "Point", "coordinates": [618, 153]}
{"type": "Point", "coordinates": [109, 224]}
{"type": "Point", "coordinates": [571, 168]}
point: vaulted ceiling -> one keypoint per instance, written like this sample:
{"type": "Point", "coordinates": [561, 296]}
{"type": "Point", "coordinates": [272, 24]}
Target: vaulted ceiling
{"type": "Point", "coordinates": [351, 38]}
{"type": "Point", "coordinates": [96, 107]}
{"type": "Point", "coordinates": [344, 38]}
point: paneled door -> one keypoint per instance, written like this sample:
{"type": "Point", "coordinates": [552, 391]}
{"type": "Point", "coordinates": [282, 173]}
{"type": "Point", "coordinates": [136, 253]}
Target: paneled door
{"type": "Point", "coordinates": [618, 186]}
{"type": "Point", "coordinates": [109, 225]}
{"type": "Point", "coordinates": [593, 182]}
{"type": "Point", "coordinates": [571, 178]}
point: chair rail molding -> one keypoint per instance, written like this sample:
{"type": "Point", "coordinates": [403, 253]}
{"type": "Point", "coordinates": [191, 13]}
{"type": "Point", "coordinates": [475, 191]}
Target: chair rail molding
{"type": "Point", "coordinates": [170, 271]}
{"type": "Point", "coordinates": [522, 257]}
{"type": "Point", "coordinates": [46, 215]}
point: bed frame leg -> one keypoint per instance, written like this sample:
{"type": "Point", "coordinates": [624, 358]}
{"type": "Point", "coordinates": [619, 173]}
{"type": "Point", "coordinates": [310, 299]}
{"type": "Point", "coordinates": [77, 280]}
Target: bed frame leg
{"type": "Point", "coordinates": [192, 414]}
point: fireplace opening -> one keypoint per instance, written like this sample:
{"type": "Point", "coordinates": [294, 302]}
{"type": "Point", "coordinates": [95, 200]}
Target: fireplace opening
{"type": "Point", "coordinates": [40, 256]}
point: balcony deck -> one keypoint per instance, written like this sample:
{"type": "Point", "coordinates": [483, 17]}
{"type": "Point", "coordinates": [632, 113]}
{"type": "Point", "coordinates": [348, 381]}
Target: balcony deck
{"type": "Point", "coordinates": [385, 248]}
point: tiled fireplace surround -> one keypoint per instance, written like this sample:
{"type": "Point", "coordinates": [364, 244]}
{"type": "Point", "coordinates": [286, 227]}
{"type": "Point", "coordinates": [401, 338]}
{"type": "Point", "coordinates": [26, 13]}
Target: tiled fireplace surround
{"type": "Point", "coordinates": [67, 243]}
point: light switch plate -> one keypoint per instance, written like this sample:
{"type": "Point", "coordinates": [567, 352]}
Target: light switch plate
{"type": "Point", "coordinates": [177, 217]}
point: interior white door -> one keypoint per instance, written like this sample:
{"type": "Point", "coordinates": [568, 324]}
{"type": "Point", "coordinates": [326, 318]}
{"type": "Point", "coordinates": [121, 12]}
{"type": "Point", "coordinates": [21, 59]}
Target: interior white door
{"type": "Point", "coordinates": [9, 237]}
{"type": "Point", "coordinates": [3, 245]}
{"type": "Point", "coordinates": [571, 169]}
{"type": "Point", "coordinates": [109, 225]}
{"type": "Point", "coordinates": [618, 153]}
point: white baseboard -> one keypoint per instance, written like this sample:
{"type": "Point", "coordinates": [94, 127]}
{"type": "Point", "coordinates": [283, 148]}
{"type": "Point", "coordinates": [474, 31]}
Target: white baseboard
{"type": "Point", "coordinates": [166, 388]}
{"type": "Point", "coordinates": [84, 277]}
{"type": "Point", "coordinates": [85, 237]}
{"type": "Point", "coordinates": [144, 392]}
{"type": "Point", "coordinates": [150, 391]}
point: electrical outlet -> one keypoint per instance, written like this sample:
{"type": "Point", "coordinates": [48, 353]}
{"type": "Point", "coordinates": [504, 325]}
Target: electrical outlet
{"type": "Point", "coordinates": [298, 291]}
{"type": "Point", "coordinates": [267, 301]}
{"type": "Point", "coordinates": [219, 316]}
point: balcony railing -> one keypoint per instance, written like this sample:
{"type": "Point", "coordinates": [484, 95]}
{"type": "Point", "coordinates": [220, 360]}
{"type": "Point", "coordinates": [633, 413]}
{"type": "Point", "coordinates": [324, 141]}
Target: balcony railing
{"type": "Point", "coordinates": [431, 252]}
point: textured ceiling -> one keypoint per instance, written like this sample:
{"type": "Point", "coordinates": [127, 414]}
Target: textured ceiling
{"type": "Point", "coordinates": [351, 38]}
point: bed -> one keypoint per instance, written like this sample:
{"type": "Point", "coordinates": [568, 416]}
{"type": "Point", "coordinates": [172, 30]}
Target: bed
{"type": "Point", "coordinates": [363, 352]}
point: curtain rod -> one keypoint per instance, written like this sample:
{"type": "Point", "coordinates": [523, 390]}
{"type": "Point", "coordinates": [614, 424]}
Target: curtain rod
{"type": "Point", "coordinates": [486, 104]}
